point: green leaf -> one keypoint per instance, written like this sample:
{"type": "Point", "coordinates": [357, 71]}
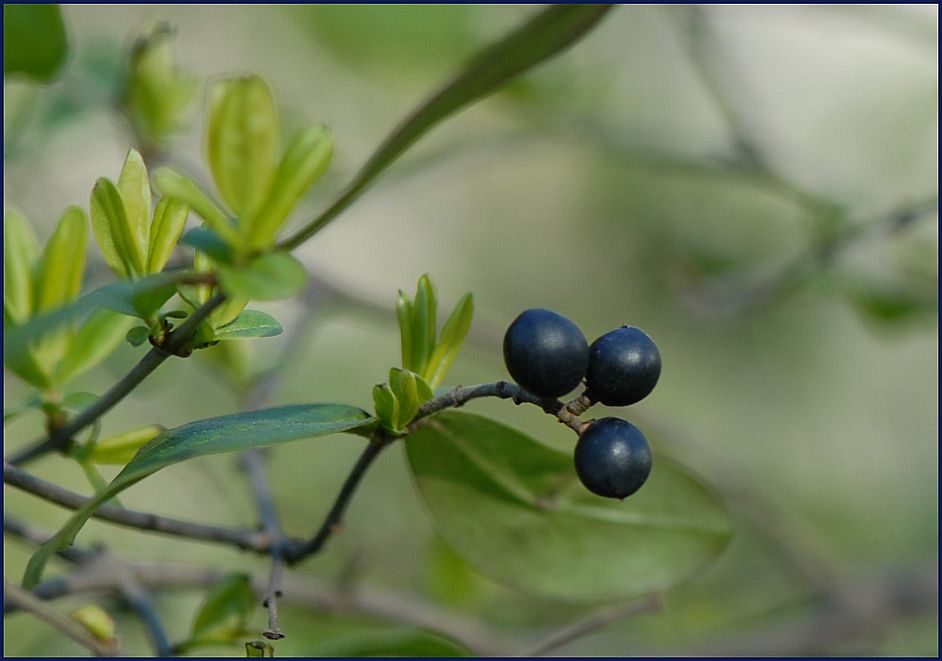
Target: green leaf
{"type": "Point", "coordinates": [393, 642]}
{"type": "Point", "coordinates": [20, 253]}
{"type": "Point", "coordinates": [242, 136]}
{"type": "Point", "coordinates": [134, 189]}
{"type": "Point", "coordinates": [76, 401]}
{"type": "Point", "coordinates": [404, 387]}
{"type": "Point", "coordinates": [249, 324]}
{"type": "Point", "coordinates": [175, 185]}
{"type": "Point", "coordinates": [228, 433]}
{"type": "Point", "coordinates": [449, 345]}
{"type": "Point", "coordinates": [210, 243]}
{"type": "Point", "coordinates": [116, 237]}
{"type": "Point", "coordinates": [424, 322]}
{"type": "Point", "coordinates": [548, 33]}
{"type": "Point", "coordinates": [137, 335]}
{"type": "Point", "coordinates": [302, 165]}
{"type": "Point", "coordinates": [158, 92]}
{"type": "Point", "coordinates": [60, 270]}
{"type": "Point", "coordinates": [515, 510]}
{"type": "Point", "coordinates": [227, 313]}
{"type": "Point", "coordinates": [101, 334]}
{"type": "Point", "coordinates": [266, 278]}
{"type": "Point", "coordinates": [136, 298]}
{"type": "Point", "coordinates": [34, 40]}
{"type": "Point", "coordinates": [404, 315]}
{"type": "Point", "coordinates": [224, 614]}
{"type": "Point", "coordinates": [165, 230]}
{"type": "Point", "coordinates": [120, 448]}
{"type": "Point", "coordinates": [386, 406]}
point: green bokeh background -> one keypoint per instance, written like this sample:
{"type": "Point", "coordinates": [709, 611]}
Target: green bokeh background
{"type": "Point", "coordinates": [601, 185]}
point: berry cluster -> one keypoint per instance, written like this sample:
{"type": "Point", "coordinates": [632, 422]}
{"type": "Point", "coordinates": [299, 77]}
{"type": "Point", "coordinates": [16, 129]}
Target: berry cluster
{"type": "Point", "coordinates": [548, 356]}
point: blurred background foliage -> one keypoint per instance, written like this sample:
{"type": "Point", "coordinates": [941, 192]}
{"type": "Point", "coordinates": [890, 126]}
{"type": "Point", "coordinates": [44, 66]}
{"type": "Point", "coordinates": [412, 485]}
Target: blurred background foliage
{"type": "Point", "coordinates": [754, 186]}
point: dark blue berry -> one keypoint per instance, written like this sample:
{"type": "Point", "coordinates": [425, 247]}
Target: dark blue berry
{"type": "Point", "coordinates": [624, 367]}
{"type": "Point", "coordinates": [613, 459]}
{"type": "Point", "coordinates": [545, 353]}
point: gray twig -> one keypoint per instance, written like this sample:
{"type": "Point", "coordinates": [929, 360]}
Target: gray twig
{"type": "Point", "coordinates": [240, 537]}
{"type": "Point", "coordinates": [21, 598]}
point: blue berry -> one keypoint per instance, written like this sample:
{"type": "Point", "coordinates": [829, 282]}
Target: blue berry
{"type": "Point", "coordinates": [624, 367]}
{"type": "Point", "coordinates": [613, 459]}
{"type": "Point", "coordinates": [545, 353]}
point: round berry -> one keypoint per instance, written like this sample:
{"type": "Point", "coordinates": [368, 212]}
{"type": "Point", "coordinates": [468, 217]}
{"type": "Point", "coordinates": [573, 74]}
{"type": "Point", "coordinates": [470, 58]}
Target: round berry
{"type": "Point", "coordinates": [613, 459]}
{"type": "Point", "coordinates": [545, 352]}
{"type": "Point", "coordinates": [624, 367]}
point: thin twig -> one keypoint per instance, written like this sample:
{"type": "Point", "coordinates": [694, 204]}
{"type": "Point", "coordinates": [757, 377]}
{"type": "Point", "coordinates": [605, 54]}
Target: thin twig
{"type": "Point", "coordinates": [594, 622]}
{"type": "Point", "coordinates": [175, 344]}
{"type": "Point", "coordinates": [566, 413]}
{"type": "Point", "coordinates": [21, 598]}
{"type": "Point", "coordinates": [253, 464]}
{"type": "Point", "coordinates": [295, 552]}
{"type": "Point", "coordinates": [242, 538]}
{"type": "Point", "coordinates": [302, 591]}
{"type": "Point", "coordinates": [132, 593]}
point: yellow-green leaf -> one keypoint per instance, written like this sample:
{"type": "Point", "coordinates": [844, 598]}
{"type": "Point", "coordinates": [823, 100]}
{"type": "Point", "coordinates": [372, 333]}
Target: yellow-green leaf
{"type": "Point", "coordinates": [404, 315]}
{"type": "Point", "coordinates": [20, 252]}
{"type": "Point", "coordinates": [110, 219]}
{"type": "Point", "coordinates": [101, 334]}
{"type": "Point", "coordinates": [96, 621]}
{"type": "Point", "coordinates": [134, 188]}
{"type": "Point", "coordinates": [165, 230]}
{"type": "Point", "coordinates": [59, 276]}
{"type": "Point", "coordinates": [302, 165]}
{"type": "Point", "coordinates": [424, 321]}
{"type": "Point", "coordinates": [121, 448]}
{"type": "Point", "coordinates": [175, 185]}
{"type": "Point", "coordinates": [242, 137]}
{"type": "Point", "coordinates": [449, 344]}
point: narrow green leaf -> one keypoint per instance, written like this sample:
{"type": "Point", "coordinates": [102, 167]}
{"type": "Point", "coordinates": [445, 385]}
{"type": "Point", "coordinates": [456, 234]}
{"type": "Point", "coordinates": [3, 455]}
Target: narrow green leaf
{"type": "Point", "coordinates": [165, 230]}
{"type": "Point", "coordinates": [386, 406]}
{"type": "Point", "coordinates": [223, 615]}
{"type": "Point", "coordinates": [228, 433]}
{"type": "Point", "coordinates": [404, 315]}
{"type": "Point", "coordinates": [75, 402]}
{"type": "Point", "coordinates": [34, 41]}
{"type": "Point", "coordinates": [548, 33]}
{"type": "Point", "coordinates": [424, 322]}
{"type": "Point", "coordinates": [249, 324]}
{"type": "Point", "coordinates": [111, 220]}
{"type": "Point", "coordinates": [242, 136]}
{"type": "Point", "coordinates": [60, 270]}
{"type": "Point", "coordinates": [101, 334]}
{"type": "Point", "coordinates": [449, 345]}
{"type": "Point", "coordinates": [266, 278]}
{"type": "Point", "coordinates": [20, 253]}
{"type": "Point", "coordinates": [179, 187]}
{"type": "Point", "coordinates": [515, 510]}
{"type": "Point", "coordinates": [302, 165]}
{"type": "Point", "coordinates": [209, 243]}
{"type": "Point", "coordinates": [134, 189]}
{"type": "Point", "coordinates": [23, 363]}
